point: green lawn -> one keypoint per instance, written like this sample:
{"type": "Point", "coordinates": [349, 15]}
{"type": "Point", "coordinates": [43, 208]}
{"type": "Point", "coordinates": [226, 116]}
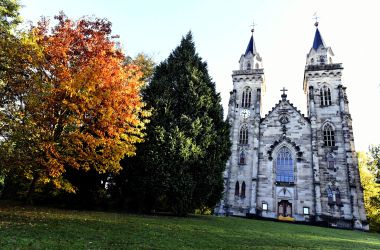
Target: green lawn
{"type": "Point", "coordinates": [44, 228]}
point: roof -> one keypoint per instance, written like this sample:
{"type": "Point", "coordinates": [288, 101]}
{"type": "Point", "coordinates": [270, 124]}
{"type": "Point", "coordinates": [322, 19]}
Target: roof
{"type": "Point", "coordinates": [318, 41]}
{"type": "Point", "coordinates": [251, 47]}
{"type": "Point", "coordinates": [290, 104]}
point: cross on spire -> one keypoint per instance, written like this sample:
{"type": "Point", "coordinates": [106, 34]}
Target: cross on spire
{"type": "Point", "coordinates": [283, 96]}
{"type": "Point", "coordinates": [253, 26]}
{"type": "Point", "coordinates": [316, 17]}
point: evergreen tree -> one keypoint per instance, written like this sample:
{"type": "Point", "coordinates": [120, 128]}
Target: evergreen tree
{"type": "Point", "coordinates": [179, 167]}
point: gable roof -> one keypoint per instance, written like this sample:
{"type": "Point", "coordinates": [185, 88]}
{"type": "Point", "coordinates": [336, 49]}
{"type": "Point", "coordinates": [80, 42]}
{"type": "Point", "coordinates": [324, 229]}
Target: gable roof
{"type": "Point", "coordinates": [290, 104]}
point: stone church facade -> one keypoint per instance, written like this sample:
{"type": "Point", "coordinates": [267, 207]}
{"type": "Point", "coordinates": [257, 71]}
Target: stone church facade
{"type": "Point", "coordinates": [288, 166]}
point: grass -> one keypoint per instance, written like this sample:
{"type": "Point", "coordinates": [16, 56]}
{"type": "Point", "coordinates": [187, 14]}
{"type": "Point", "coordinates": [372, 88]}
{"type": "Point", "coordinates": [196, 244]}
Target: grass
{"type": "Point", "coordinates": [43, 228]}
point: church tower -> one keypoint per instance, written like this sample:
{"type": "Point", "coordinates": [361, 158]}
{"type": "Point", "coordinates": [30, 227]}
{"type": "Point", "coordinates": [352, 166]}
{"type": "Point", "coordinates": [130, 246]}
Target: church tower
{"type": "Point", "coordinates": [337, 189]}
{"type": "Point", "coordinates": [288, 166]}
{"type": "Point", "coordinates": [244, 111]}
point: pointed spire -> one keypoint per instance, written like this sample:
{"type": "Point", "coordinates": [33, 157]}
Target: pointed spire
{"type": "Point", "coordinates": [251, 59]}
{"type": "Point", "coordinates": [318, 41]}
{"type": "Point", "coordinates": [251, 47]}
{"type": "Point", "coordinates": [319, 54]}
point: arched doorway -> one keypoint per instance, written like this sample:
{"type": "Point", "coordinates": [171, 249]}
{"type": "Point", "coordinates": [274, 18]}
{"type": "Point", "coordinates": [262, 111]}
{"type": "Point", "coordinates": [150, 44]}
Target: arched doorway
{"type": "Point", "coordinates": [285, 208]}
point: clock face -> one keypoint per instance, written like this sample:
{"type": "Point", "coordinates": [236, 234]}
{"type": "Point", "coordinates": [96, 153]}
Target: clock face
{"type": "Point", "coordinates": [245, 113]}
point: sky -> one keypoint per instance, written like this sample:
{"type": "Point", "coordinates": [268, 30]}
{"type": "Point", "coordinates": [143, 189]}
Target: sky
{"type": "Point", "coordinates": [283, 35]}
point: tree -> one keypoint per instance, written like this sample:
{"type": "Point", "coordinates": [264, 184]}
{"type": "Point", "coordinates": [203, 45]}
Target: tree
{"type": "Point", "coordinates": [82, 110]}
{"type": "Point", "coordinates": [374, 161]}
{"type": "Point", "coordinates": [145, 63]}
{"type": "Point", "coordinates": [179, 167]}
{"type": "Point", "coordinates": [9, 15]}
{"type": "Point", "coordinates": [19, 55]}
{"type": "Point", "coordinates": [371, 190]}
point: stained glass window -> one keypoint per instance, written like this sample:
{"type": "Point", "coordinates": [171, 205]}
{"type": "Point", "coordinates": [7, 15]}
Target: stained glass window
{"type": "Point", "coordinates": [284, 166]}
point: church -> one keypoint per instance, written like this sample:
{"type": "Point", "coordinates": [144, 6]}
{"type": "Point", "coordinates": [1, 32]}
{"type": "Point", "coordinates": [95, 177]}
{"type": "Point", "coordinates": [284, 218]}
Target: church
{"type": "Point", "coordinates": [288, 166]}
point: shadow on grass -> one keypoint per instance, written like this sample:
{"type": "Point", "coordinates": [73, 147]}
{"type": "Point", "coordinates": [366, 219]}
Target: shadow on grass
{"type": "Point", "coordinates": [38, 227]}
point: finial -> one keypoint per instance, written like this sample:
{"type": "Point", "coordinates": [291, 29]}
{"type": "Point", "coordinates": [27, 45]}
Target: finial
{"type": "Point", "coordinates": [253, 27]}
{"type": "Point", "coordinates": [315, 16]}
{"type": "Point", "coordinates": [284, 129]}
{"type": "Point", "coordinates": [283, 93]}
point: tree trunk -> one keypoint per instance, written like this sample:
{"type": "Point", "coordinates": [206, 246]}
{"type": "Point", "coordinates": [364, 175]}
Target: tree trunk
{"type": "Point", "coordinates": [31, 189]}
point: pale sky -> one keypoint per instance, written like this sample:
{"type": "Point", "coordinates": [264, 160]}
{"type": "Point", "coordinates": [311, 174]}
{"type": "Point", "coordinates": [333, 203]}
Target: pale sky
{"type": "Point", "coordinates": [283, 36]}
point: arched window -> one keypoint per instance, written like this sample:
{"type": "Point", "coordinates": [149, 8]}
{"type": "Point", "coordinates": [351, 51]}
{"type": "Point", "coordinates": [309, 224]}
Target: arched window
{"type": "Point", "coordinates": [246, 98]}
{"type": "Point", "coordinates": [237, 188]}
{"type": "Point", "coordinates": [284, 166]}
{"type": "Point", "coordinates": [248, 65]}
{"type": "Point", "coordinates": [242, 194]}
{"type": "Point", "coordinates": [325, 94]}
{"type": "Point", "coordinates": [328, 136]}
{"type": "Point", "coordinates": [242, 158]}
{"type": "Point", "coordinates": [322, 59]}
{"type": "Point", "coordinates": [243, 138]}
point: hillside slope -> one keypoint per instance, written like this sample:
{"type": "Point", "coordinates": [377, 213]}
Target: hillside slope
{"type": "Point", "coordinates": [43, 228]}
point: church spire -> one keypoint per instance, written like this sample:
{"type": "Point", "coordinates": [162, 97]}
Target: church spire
{"type": "Point", "coordinates": [251, 47]}
{"type": "Point", "coordinates": [319, 54]}
{"type": "Point", "coordinates": [318, 41]}
{"type": "Point", "coordinates": [251, 58]}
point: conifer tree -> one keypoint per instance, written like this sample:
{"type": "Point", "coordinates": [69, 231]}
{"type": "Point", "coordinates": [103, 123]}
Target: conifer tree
{"type": "Point", "coordinates": [179, 167]}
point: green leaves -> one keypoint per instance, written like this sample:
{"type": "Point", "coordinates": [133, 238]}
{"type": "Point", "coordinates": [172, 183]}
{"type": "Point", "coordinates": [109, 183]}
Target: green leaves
{"type": "Point", "coordinates": [9, 15]}
{"type": "Point", "coordinates": [187, 143]}
{"type": "Point", "coordinates": [69, 102]}
{"type": "Point", "coordinates": [371, 189]}
{"type": "Point", "coordinates": [374, 161]}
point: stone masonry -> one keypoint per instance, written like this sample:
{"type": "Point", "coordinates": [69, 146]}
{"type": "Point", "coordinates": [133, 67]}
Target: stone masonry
{"type": "Point", "coordinates": [288, 166]}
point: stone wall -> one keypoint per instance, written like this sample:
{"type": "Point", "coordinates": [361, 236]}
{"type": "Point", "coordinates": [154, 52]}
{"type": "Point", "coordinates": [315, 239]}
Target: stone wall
{"type": "Point", "coordinates": [285, 126]}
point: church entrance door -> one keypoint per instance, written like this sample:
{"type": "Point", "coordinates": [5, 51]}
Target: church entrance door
{"type": "Point", "coordinates": [285, 208]}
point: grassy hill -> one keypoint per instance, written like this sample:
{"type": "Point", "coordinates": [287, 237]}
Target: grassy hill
{"type": "Point", "coordinates": [42, 228]}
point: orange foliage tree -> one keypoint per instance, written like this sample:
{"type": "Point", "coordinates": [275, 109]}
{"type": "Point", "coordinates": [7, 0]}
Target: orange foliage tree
{"type": "Point", "coordinates": [84, 110]}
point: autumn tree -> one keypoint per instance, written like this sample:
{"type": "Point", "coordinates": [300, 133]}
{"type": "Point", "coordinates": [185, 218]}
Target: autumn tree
{"type": "Point", "coordinates": [145, 63]}
{"type": "Point", "coordinates": [371, 189]}
{"type": "Point", "coordinates": [83, 109]}
{"type": "Point", "coordinates": [9, 15]}
{"type": "Point", "coordinates": [179, 166]}
{"type": "Point", "coordinates": [19, 55]}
